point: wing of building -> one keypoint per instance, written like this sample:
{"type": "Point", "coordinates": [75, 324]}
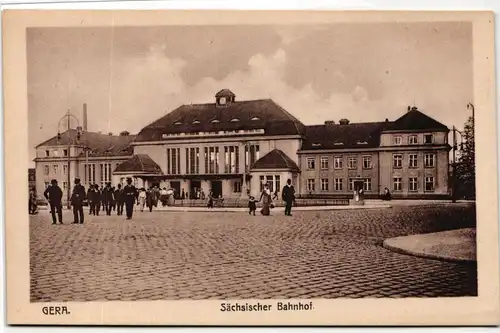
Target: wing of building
{"type": "Point", "coordinates": [233, 147]}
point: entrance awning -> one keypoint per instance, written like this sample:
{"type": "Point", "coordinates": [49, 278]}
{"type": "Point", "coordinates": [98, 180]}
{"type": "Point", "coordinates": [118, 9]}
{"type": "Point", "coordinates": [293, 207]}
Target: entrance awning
{"type": "Point", "coordinates": [139, 165]}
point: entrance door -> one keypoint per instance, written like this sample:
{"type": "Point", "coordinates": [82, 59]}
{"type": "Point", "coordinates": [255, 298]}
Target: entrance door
{"type": "Point", "coordinates": [176, 186]}
{"type": "Point", "coordinates": [217, 188]}
{"type": "Point", "coordinates": [193, 190]}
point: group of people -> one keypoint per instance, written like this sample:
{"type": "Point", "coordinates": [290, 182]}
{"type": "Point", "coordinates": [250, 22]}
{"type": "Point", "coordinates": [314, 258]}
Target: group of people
{"type": "Point", "coordinates": [267, 199]}
{"type": "Point", "coordinates": [108, 198]}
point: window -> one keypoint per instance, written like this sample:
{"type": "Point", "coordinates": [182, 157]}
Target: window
{"type": "Point", "coordinates": [252, 154]}
{"type": "Point", "coordinates": [324, 163]}
{"type": "Point", "coordinates": [429, 160]}
{"type": "Point", "coordinates": [413, 160]}
{"type": "Point", "coordinates": [413, 184]}
{"type": "Point", "coordinates": [397, 184]}
{"type": "Point", "coordinates": [310, 185]}
{"type": "Point", "coordinates": [173, 161]}
{"type": "Point", "coordinates": [367, 184]}
{"type": "Point", "coordinates": [338, 184]}
{"type": "Point", "coordinates": [55, 169]}
{"type": "Point", "coordinates": [235, 120]}
{"type": "Point", "coordinates": [352, 162]}
{"type": "Point", "coordinates": [351, 184]}
{"type": "Point", "coordinates": [397, 161]}
{"type": "Point", "coordinates": [413, 140]}
{"type": "Point", "coordinates": [337, 162]}
{"type": "Point", "coordinates": [428, 139]}
{"type": "Point", "coordinates": [47, 153]}
{"type": "Point", "coordinates": [105, 173]}
{"type": "Point", "coordinates": [65, 153]}
{"type": "Point", "coordinates": [56, 153]}
{"type": "Point", "coordinates": [273, 181]}
{"type": "Point", "coordinates": [324, 184]}
{"type": "Point", "coordinates": [311, 163]}
{"type": "Point", "coordinates": [215, 121]}
{"type": "Point", "coordinates": [429, 183]}
{"type": "Point", "coordinates": [65, 186]}
{"type": "Point", "coordinates": [211, 159]}
{"type": "Point", "coordinates": [222, 100]}
{"type": "Point", "coordinates": [46, 184]}
{"type": "Point", "coordinates": [237, 186]}
{"type": "Point", "coordinates": [46, 170]}
{"type": "Point", "coordinates": [65, 170]}
{"type": "Point", "coordinates": [178, 123]}
{"type": "Point", "coordinates": [196, 122]}
{"type": "Point", "coordinates": [231, 159]}
{"type": "Point", "coordinates": [192, 161]}
{"type": "Point", "coordinates": [90, 172]}
{"type": "Point", "coordinates": [397, 140]}
{"type": "Point", "coordinates": [255, 118]}
{"type": "Point", "coordinates": [367, 162]}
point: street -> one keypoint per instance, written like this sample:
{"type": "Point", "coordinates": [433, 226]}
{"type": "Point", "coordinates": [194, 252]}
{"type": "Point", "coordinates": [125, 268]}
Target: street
{"type": "Point", "coordinates": [224, 255]}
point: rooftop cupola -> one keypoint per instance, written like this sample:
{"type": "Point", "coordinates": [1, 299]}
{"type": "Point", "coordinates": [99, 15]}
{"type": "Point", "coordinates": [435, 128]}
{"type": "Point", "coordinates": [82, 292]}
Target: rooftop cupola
{"type": "Point", "coordinates": [224, 98]}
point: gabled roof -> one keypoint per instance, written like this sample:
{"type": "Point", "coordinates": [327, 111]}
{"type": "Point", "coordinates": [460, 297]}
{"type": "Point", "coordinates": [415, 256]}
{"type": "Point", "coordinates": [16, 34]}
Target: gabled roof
{"type": "Point", "coordinates": [245, 115]}
{"type": "Point", "coordinates": [140, 163]}
{"type": "Point", "coordinates": [275, 159]}
{"type": "Point", "coordinates": [98, 143]}
{"type": "Point", "coordinates": [415, 120]}
{"type": "Point", "coordinates": [336, 136]}
{"type": "Point", "coordinates": [225, 92]}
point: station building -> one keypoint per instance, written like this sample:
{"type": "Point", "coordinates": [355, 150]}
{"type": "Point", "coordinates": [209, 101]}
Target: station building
{"type": "Point", "coordinates": [234, 147]}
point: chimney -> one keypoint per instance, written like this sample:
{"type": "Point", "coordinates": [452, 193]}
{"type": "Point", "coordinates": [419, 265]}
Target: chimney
{"type": "Point", "coordinates": [85, 117]}
{"type": "Point", "coordinates": [409, 108]}
{"type": "Point", "coordinates": [386, 120]}
{"type": "Point", "coordinates": [344, 121]}
{"type": "Point", "coordinates": [329, 122]}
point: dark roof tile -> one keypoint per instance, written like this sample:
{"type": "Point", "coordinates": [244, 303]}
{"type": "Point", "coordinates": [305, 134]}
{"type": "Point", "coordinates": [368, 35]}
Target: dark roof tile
{"type": "Point", "coordinates": [140, 163]}
{"type": "Point", "coordinates": [415, 120]}
{"type": "Point", "coordinates": [275, 159]}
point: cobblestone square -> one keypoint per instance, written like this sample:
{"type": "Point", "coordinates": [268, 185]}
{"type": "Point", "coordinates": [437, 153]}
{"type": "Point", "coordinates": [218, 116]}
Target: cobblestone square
{"type": "Point", "coordinates": [223, 255]}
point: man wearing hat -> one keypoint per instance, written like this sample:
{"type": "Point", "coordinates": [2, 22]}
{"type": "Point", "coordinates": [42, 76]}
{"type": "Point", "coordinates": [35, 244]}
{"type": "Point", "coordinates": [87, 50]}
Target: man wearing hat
{"type": "Point", "coordinates": [54, 194]}
{"type": "Point", "coordinates": [108, 198]}
{"type": "Point", "coordinates": [77, 201]}
{"type": "Point", "coordinates": [130, 194]}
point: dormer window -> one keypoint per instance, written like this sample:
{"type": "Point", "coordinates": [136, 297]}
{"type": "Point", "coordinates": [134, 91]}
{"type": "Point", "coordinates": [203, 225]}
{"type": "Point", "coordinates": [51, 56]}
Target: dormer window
{"type": "Point", "coordinates": [177, 123]}
{"type": "Point", "coordinates": [235, 120]}
{"type": "Point", "coordinates": [215, 121]}
{"type": "Point", "coordinates": [222, 101]}
{"type": "Point", "coordinates": [362, 142]}
{"type": "Point", "coordinates": [255, 118]}
{"type": "Point", "coordinates": [196, 122]}
{"type": "Point", "coordinates": [338, 143]}
{"type": "Point", "coordinates": [316, 144]}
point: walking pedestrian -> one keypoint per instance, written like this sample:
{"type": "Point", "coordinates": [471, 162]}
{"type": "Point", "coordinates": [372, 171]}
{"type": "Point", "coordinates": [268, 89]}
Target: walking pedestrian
{"type": "Point", "coordinates": [149, 199]}
{"type": "Point", "coordinates": [266, 199]}
{"type": "Point", "coordinates": [288, 196]}
{"type": "Point", "coordinates": [77, 199]}
{"type": "Point", "coordinates": [32, 201]}
{"type": "Point", "coordinates": [142, 198]}
{"type": "Point", "coordinates": [210, 203]}
{"type": "Point", "coordinates": [53, 194]}
{"type": "Point", "coordinates": [108, 197]}
{"type": "Point", "coordinates": [119, 200]}
{"type": "Point", "coordinates": [97, 199]}
{"type": "Point", "coordinates": [130, 195]}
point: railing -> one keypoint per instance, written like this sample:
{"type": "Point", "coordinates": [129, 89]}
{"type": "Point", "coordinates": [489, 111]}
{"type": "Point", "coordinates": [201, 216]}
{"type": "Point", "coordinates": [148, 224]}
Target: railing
{"type": "Point", "coordinates": [243, 203]}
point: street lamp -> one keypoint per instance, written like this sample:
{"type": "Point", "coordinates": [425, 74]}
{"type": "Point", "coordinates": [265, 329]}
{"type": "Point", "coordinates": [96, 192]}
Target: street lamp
{"type": "Point", "coordinates": [470, 106]}
{"type": "Point", "coordinates": [68, 117]}
{"type": "Point", "coordinates": [246, 146]}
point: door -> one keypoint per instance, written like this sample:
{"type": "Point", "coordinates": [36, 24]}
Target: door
{"type": "Point", "coordinates": [176, 186]}
{"type": "Point", "coordinates": [195, 186]}
{"type": "Point", "coordinates": [217, 188]}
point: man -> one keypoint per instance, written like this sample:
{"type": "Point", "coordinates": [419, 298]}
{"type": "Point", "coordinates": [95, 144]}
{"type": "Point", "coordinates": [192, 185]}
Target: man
{"type": "Point", "coordinates": [288, 196]}
{"type": "Point", "coordinates": [54, 194]}
{"type": "Point", "coordinates": [32, 201]}
{"type": "Point", "coordinates": [119, 200]}
{"type": "Point", "coordinates": [77, 199]}
{"type": "Point", "coordinates": [97, 199]}
{"type": "Point", "coordinates": [108, 198]}
{"type": "Point", "coordinates": [130, 195]}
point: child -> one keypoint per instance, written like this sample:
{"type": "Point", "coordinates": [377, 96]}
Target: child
{"type": "Point", "coordinates": [252, 206]}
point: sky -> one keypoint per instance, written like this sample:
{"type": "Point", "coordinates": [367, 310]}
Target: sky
{"type": "Point", "coordinates": [131, 76]}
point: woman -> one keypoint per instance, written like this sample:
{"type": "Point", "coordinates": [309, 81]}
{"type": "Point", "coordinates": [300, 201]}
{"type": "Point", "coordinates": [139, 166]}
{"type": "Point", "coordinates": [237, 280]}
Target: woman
{"type": "Point", "coordinates": [265, 197]}
{"type": "Point", "coordinates": [210, 203]}
{"type": "Point", "coordinates": [149, 199]}
{"type": "Point", "coordinates": [142, 198]}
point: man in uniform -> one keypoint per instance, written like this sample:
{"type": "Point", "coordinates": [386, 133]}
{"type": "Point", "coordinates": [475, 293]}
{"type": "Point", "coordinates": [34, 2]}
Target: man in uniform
{"type": "Point", "coordinates": [108, 198]}
{"type": "Point", "coordinates": [288, 196]}
{"type": "Point", "coordinates": [130, 197]}
{"type": "Point", "coordinates": [119, 200]}
{"type": "Point", "coordinates": [77, 199]}
{"type": "Point", "coordinates": [54, 194]}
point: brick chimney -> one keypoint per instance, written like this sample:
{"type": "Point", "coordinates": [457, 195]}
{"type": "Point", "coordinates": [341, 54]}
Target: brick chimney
{"type": "Point", "coordinates": [344, 121]}
{"type": "Point", "coordinates": [329, 122]}
{"type": "Point", "coordinates": [85, 117]}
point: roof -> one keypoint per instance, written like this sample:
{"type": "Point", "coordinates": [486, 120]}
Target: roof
{"type": "Point", "coordinates": [140, 163]}
{"type": "Point", "coordinates": [415, 120]}
{"type": "Point", "coordinates": [336, 136]}
{"type": "Point", "coordinates": [275, 159]}
{"type": "Point", "coordinates": [245, 115]}
{"type": "Point", "coordinates": [225, 92]}
{"type": "Point", "coordinates": [99, 144]}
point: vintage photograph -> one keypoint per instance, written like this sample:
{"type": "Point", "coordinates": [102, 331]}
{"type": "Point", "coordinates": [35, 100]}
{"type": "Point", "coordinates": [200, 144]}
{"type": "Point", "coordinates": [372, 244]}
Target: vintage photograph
{"type": "Point", "coordinates": [240, 162]}
{"type": "Point", "coordinates": [265, 166]}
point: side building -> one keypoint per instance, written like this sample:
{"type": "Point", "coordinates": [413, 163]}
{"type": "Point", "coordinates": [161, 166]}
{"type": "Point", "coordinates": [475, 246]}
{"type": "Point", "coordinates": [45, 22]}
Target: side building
{"type": "Point", "coordinates": [409, 156]}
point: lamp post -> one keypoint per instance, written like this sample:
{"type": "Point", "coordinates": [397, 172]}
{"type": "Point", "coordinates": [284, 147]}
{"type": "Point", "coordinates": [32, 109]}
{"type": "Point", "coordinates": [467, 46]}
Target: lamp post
{"type": "Point", "coordinates": [244, 189]}
{"type": "Point", "coordinates": [68, 117]}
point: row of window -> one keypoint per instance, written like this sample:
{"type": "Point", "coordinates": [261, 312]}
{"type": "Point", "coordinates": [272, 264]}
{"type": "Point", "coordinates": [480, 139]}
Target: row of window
{"type": "Point", "coordinates": [366, 161]}
{"type": "Point", "coordinates": [397, 184]}
{"type": "Point", "coordinates": [55, 170]}
{"type": "Point", "coordinates": [226, 132]}
{"type": "Point", "coordinates": [56, 153]}
{"type": "Point", "coordinates": [414, 184]}
{"type": "Point", "coordinates": [89, 171]}
{"type": "Point", "coordinates": [397, 140]}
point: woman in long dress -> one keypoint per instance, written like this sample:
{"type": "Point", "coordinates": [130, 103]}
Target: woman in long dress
{"type": "Point", "coordinates": [265, 197]}
{"type": "Point", "coordinates": [142, 198]}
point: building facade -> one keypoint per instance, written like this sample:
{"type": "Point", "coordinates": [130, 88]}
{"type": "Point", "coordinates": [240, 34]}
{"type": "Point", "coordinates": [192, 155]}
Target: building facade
{"type": "Point", "coordinates": [233, 147]}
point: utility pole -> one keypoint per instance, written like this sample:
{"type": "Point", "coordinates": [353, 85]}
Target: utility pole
{"type": "Point", "coordinates": [69, 162]}
{"type": "Point", "coordinates": [453, 181]}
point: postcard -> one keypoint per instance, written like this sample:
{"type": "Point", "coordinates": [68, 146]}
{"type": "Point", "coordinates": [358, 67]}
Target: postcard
{"type": "Point", "coordinates": [250, 167]}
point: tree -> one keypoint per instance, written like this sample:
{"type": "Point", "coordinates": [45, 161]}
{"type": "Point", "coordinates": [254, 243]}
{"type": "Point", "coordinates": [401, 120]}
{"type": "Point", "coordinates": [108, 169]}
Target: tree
{"type": "Point", "coordinates": [466, 166]}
